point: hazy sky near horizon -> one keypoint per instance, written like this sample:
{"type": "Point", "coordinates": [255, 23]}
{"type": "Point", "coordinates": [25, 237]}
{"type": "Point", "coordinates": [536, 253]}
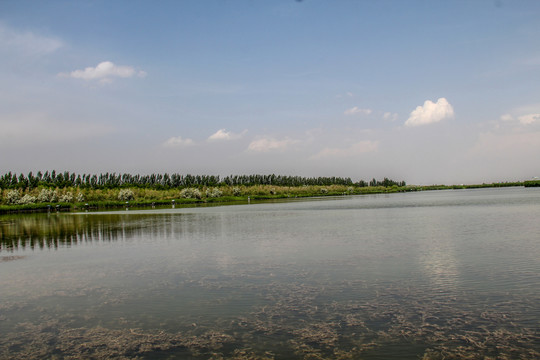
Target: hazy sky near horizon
{"type": "Point", "coordinates": [421, 91]}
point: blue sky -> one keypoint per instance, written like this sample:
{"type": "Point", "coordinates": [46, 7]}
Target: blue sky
{"type": "Point", "coordinates": [421, 91]}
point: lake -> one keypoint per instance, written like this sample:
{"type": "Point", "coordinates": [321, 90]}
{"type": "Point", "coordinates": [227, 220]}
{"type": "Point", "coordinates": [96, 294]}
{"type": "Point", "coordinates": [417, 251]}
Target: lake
{"type": "Point", "coordinates": [432, 275]}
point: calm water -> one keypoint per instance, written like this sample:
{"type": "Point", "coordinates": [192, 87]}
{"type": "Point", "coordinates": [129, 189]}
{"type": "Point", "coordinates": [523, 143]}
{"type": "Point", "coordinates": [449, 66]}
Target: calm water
{"type": "Point", "coordinates": [441, 274]}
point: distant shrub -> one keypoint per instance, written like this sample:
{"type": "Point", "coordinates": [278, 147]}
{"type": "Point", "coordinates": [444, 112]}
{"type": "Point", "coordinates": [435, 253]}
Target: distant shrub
{"type": "Point", "coordinates": [48, 195]}
{"type": "Point", "coordinates": [215, 192]}
{"type": "Point", "coordinates": [80, 197]}
{"type": "Point", "coordinates": [13, 197]}
{"type": "Point", "coordinates": [190, 193]}
{"type": "Point", "coordinates": [236, 191]}
{"type": "Point", "coordinates": [324, 191]}
{"type": "Point", "coordinates": [531, 183]}
{"type": "Point", "coordinates": [66, 198]}
{"type": "Point", "coordinates": [126, 195]}
{"type": "Point", "coordinates": [27, 199]}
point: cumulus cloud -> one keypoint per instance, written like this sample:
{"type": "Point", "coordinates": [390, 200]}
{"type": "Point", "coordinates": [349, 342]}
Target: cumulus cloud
{"type": "Point", "coordinates": [267, 144]}
{"type": "Point", "coordinates": [430, 113]}
{"type": "Point", "coordinates": [27, 42]}
{"type": "Point", "coordinates": [222, 134]}
{"type": "Point", "coordinates": [104, 72]}
{"type": "Point", "coordinates": [357, 111]}
{"type": "Point", "coordinates": [358, 148]}
{"type": "Point", "coordinates": [177, 142]}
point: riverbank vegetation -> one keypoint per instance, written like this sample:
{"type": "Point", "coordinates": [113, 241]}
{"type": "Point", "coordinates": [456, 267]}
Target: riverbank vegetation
{"type": "Point", "coordinates": [532, 183]}
{"type": "Point", "coordinates": [69, 191]}
{"type": "Point", "coordinates": [165, 181]}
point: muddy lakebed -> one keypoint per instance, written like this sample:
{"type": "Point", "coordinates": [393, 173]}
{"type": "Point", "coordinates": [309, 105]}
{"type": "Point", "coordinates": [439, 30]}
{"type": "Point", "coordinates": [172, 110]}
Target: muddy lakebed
{"type": "Point", "coordinates": [430, 275]}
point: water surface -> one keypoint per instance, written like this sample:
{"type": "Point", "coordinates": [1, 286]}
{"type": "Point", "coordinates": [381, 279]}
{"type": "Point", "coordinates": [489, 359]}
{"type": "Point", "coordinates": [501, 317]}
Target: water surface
{"type": "Point", "coordinates": [440, 274]}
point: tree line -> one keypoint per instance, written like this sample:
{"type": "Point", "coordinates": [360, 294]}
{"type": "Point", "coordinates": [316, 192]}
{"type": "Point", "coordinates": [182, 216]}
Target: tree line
{"type": "Point", "coordinates": [165, 181]}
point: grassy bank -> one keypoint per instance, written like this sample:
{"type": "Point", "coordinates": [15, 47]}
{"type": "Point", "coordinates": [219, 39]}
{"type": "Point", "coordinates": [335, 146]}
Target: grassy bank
{"type": "Point", "coordinates": [76, 199]}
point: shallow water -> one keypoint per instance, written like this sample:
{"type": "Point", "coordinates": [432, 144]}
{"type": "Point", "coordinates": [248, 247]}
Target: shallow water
{"type": "Point", "coordinates": [439, 274]}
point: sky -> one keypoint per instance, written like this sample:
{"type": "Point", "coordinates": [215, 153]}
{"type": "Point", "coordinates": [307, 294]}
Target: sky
{"type": "Point", "coordinates": [429, 92]}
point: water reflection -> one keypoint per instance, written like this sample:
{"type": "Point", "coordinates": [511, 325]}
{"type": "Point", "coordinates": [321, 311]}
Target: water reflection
{"type": "Point", "coordinates": [56, 230]}
{"type": "Point", "coordinates": [367, 277]}
{"type": "Point", "coordinates": [438, 254]}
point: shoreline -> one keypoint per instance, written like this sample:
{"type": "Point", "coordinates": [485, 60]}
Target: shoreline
{"type": "Point", "coordinates": [160, 198]}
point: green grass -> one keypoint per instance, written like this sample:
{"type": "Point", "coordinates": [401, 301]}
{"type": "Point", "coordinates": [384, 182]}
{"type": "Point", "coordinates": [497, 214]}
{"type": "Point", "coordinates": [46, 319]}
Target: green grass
{"type": "Point", "coordinates": [532, 183]}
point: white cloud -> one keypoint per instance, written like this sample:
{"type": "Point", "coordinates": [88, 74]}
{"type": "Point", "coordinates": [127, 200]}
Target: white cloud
{"type": "Point", "coordinates": [355, 110]}
{"type": "Point", "coordinates": [507, 117]}
{"type": "Point", "coordinates": [27, 42]}
{"type": "Point", "coordinates": [222, 134]}
{"type": "Point", "coordinates": [526, 119]}
{"type": "Point", "coordinates": [430, 113]}
{"type": "Point", "coordinates": [390, 116]}
{"type": "Point", "coordinates": [177, 141]}
{"type": "Point", "coordinates": [356, 149]}
{"type": "Point", "coordinates": [104, 72]}
{"type": "Point", "coordinates": [529, 119]}
{"type": "Point", "coordinates": [267, 144]}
